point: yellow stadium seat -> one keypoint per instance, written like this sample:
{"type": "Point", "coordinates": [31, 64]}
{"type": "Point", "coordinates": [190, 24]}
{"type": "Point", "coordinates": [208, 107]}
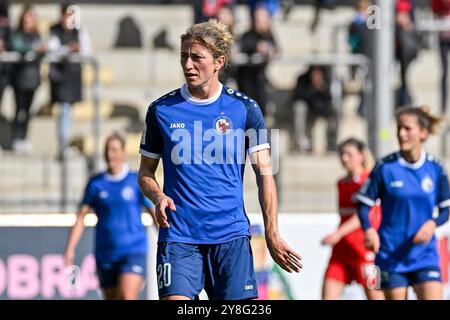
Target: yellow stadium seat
{"type": "Point", "coordinates": [105, 74]}
{"type": "Point", "coordinates": [85, 110]}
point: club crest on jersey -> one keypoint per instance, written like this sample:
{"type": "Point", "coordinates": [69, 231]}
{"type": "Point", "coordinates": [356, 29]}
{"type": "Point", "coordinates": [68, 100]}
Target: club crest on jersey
{"type": "Point", "coordinates": [127, 193]}
{"type": "Point", "coordinates": [223, 125]}
{"type": "Point", "coordinates": [397, 184]}
{"type": "Point", "coordinates": [427, 184]}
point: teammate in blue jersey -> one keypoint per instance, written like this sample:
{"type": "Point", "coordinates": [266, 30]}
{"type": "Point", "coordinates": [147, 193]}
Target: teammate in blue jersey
{"type": "Point", "coordinates": [410, 184]}
{"type": "Point", "coordinates": [203, 132]}
{"type": "Point", "coordinates": [120, 236]}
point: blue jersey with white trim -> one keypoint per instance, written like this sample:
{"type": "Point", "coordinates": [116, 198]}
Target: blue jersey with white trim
{"type": "Point", "coordinates": [409, 193]}
{"type": "Point", "coordinates": [117, 201]}
{"type": "Point", "coordinates": [203, 145]}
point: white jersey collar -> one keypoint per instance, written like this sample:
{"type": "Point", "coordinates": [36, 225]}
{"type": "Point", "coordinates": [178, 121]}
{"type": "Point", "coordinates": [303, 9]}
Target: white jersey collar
{"type": "Point", "coordinates": [189, 97]}
{"type": "Point", "coordinates": [416, 165]}
{"type": "Point", "coordinates": [120, 176]}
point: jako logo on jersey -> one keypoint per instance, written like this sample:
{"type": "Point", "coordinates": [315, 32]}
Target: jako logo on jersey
{"type": "Point", "coordinates": [427, 184]}
{"type": "Point", "coordinates": [397, 184]}
{"type": "Point", "coordinates": [223, 125]}
{"type": "Point", "coordinates": [144, 132]}
{"type": "Point", "coordinates": [137, 269]}
{"type": "Point", "coordinates": [434, 274]}
{"type": "Point", "coordinates": [177, 125]}
{"type": "Point", "coordinates": [248, 287]}
{"type": "Point", "coordinates": [127, 193]}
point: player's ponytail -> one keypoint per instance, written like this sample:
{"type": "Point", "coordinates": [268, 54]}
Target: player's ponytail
{"type": "Point", "coordinates": [214, 35]}
{"type": "Point", "coordinates": [425, 119]}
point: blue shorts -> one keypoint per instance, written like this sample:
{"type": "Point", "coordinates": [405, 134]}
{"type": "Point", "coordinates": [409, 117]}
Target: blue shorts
{"type": "Point", "coordinates": [108, 272]}
{"type": "Point", "coordinates": [390, 280]}
{"type": "Point", "coordinates": [224, 270]}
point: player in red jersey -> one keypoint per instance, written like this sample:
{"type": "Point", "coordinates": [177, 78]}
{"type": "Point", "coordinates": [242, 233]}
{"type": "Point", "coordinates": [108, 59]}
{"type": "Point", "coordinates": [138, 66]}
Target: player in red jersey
{"type": "Point", "coordinates": [350, 260]}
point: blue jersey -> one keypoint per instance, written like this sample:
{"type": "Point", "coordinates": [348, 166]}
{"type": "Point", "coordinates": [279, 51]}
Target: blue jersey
{"type": "Point", "coordinates": [409, 193]}
{"type": "Point", "coordinates": [203, 145]}
{"type": "Point", "coordinates": [117, 201]}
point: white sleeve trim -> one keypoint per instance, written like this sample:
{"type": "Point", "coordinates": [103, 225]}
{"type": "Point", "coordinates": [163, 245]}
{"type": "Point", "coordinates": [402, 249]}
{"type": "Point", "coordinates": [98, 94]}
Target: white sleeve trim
{"type": "Point", "coordinates": [365, 200]}
{"type": "Point", "coordinates": [444, 204]}
{"type": "Point", "coordinates": [149, 154]}
{"type": "Point", "coordinates": [259, 147]}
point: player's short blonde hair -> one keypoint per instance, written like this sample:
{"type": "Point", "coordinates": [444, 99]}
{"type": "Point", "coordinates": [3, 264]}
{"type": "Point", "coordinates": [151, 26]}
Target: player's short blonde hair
{"type": "Point", "coordinates": [214, 35]}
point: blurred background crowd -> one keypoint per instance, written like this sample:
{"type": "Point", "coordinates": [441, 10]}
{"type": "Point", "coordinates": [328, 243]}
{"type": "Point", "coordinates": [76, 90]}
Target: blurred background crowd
{"type": "Point", "coordinates": [71, 73]}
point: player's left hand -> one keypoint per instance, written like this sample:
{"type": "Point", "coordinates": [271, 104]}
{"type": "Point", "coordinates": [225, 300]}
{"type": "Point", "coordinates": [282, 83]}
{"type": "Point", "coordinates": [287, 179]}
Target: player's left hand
{"type": "Point", "coordinates": [283, 255]}
{"type": "Point", "coordinates": [425, 232]}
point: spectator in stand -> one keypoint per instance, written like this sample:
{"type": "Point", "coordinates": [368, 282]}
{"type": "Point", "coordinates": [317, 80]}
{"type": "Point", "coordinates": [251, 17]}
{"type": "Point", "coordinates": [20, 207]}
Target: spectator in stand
{"type": "Point", "coordinates": [207, 9]}
{"type": "Point", "coordinates": [441, 9]}
{"type": "Point", "coordinates": [5, 45]}
{"type": "Point", "coordinates": [319, 5]}
{"type": "Point", "coordinates": [65, 77]}
{"type": "Point", "coordinates": [357, 30]}
{"type": "Point", "coordinates": [313, 88]}
{"type": "Point", "coordinates": [359, 40]}
{"type": "Point", "coordinates": [272, 6]}
{"type": "Point", "coordinates": [407, 46]}
{"type": "Point", "coordinates": [260, 47]}
{"type": "Point", "coordinates": [226, 16]}
{"type": "Point", "coordinates": [26, 75]}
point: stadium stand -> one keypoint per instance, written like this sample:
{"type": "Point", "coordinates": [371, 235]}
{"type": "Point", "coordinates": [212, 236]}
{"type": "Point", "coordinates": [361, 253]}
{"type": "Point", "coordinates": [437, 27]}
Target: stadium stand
{"type": "Point", "coordinates": [133, 77]}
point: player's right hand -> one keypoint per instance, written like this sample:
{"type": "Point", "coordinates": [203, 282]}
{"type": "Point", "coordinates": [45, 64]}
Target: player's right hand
{"type": "Point", "coordinates": [331, 239]}
{"type": "Point", "coordinates": [372, 240]}
{"type": "Point", "coordinates": [425, 232]}
{"type": "Point", "coordinates": [160, 210]}
{"type": "Point", "coordinates": [69, 257]}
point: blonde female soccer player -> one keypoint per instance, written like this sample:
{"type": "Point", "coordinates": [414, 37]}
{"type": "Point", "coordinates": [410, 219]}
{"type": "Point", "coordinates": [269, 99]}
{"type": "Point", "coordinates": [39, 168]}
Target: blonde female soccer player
{"type": "Point", "coordinates": [203, 132]}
